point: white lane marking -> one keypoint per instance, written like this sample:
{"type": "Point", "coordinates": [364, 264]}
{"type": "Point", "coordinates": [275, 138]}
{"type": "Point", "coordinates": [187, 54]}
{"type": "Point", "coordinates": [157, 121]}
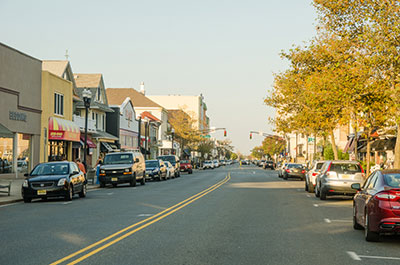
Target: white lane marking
{"type": "Point", "coordinates": [5, 205]}
{"type": "Point", "coordinates": [67, 203]}
{"type": "Point", "coordinates": [308, 195]}
{"type": "Point", "coordinates": [254, 172]}
{"type": "Point", "coordinates": [327, 220]}
{"type": "Point", "coordinates": [315, 205]}
{"type": "Point", "coordinates": [299, 189]}
{"type": "Point", "coordinates": [145, 215]}
{"type": "Point", "coordinates": [110, 193]}
{"type": "Point", "coordinates": [354, 256]}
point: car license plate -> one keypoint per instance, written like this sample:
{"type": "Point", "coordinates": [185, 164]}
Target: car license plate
{"type": "Point", "coordinates": [345, 176]}
{"type": "Point", "coordinates": [114, 179]}
{"type": "Point", "coordinates": [41, 192]}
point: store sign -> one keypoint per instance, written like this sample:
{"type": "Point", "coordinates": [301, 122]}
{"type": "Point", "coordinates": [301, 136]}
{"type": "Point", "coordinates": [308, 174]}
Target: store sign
{"type": "Point", "coordinates": [17, 116]}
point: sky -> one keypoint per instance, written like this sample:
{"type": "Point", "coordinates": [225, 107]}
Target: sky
{"type": "Point", "coordinates": [226, 50]}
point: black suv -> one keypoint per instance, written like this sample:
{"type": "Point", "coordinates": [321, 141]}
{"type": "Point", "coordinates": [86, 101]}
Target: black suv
{"type": "Point", "coordinates": [269, 164]}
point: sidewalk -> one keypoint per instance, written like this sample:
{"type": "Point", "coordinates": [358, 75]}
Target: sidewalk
{"type": "Point", "coordinates": [16, 184]}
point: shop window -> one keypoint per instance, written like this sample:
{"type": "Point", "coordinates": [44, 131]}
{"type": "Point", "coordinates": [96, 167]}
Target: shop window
{"type": "Point", "coordinates": [23, 153]}
{"type": "Point", "coordinates": [6, 154]}
{"type": "Point", "coordinates": [57, 150]}
{"type": "Point", "coordinates": [58, 104]}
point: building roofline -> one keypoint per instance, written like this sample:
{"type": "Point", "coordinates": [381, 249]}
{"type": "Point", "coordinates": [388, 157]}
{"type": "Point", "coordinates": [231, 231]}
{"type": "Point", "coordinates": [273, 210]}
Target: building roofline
{"type": "Point", "coordinates": [18, 51]}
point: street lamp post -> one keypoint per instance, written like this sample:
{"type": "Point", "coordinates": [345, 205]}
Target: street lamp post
{"type": "Point", "coordinates": [87, 97]}
{"type": "Point", "coordinates": [172, 142]}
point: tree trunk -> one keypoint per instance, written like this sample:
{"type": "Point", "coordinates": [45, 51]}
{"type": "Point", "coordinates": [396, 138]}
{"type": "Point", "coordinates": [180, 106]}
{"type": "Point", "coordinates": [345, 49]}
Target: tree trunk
{"type": "Point", "coordinates": [295, 159]}
{"type": "Point", "coordinates": [307, 148]}
{"type": "Point", "coordinates": [397, 149]}
{"type": "Point", "coordinates": [368, 151]}
{"type": "Point", "coordinates": [356, 142]}
{"type": "Point", "coordinates": [315, 146]}
{"type": "Point", "coordinates": [334, 148]}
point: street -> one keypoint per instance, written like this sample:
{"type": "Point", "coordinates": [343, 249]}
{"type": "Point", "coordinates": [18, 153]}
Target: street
{"type": "Point", "coordinates": [230, 215]}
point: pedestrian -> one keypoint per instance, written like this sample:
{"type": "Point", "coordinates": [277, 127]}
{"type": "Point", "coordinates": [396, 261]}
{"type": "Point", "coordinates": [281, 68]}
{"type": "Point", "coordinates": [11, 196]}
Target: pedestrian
{"type": "Point", "coordinates": [80, 165]}
{"type": "Point", "coordinates": [99, 162]}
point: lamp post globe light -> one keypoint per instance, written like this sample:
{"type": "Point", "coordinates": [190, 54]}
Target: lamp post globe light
{"type": "Point", "coordinates": [172, 142]}
{"type": "Point", "coordinates": [87, 97]}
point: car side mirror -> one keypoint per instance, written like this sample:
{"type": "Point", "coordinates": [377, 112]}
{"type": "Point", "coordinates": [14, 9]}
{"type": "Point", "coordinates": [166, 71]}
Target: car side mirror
{"type": "Point", "coordinates": [75, 172]}
{"type": "Point", "coordinates": [26, 175]}
{"type": "Point", "coordinates": [356, 186]}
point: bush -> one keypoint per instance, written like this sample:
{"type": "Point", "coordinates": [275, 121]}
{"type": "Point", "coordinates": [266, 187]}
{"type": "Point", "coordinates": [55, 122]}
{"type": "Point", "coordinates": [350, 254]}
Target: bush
{"type": "Point", "coordinates": [328, 153]}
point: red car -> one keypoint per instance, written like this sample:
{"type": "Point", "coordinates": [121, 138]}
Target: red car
{"type": "Point", "coordinates": [186, 166]}
{"type": "Point", "coordinates": [376, 206]}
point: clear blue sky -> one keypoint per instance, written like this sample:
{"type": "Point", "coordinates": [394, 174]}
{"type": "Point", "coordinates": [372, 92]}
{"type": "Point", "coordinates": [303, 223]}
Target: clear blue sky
{"type": "Point", "coordinates": [226, 50]}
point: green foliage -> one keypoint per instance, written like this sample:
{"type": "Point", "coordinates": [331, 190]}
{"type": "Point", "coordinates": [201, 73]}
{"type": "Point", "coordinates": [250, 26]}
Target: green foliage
{"type": "Point", "coordinates": [257, 152]}
{"type": "Point", "coordinates": [234, 156]}
{"type": "Point", "coordinates": [328, 153]}
{"type": "Point", "coordinates": [273, 145]}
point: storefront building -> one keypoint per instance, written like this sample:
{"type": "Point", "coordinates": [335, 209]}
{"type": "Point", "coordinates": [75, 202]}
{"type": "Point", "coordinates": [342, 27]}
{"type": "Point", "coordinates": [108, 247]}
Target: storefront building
{"type": "Point", "coordinates": [58, 131]}
{"type": "Point", "coordinates": [20, 102]}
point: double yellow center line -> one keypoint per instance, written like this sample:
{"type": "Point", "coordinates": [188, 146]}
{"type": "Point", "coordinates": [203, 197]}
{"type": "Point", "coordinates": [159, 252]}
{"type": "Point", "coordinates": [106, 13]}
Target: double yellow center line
{"type": "Point", "coordinates": [128, 231]}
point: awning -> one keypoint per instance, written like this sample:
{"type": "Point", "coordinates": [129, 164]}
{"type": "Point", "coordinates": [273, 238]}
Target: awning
{"type": "Point", "coordinates": [89, 142]}
{"type": "Point", "coordinates": [383, 145]}
{"type": "Point", "coordinates": [107, 147]}
{"type": "Point", "coordinates": [60, 129]}
{"type": "Point", "coordinates": [4, 132]}
{"type": "Point", "coordinates": [104, 136]}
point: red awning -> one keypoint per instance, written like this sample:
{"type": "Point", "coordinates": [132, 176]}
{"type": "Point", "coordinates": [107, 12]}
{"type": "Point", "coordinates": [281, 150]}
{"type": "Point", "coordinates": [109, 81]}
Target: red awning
{"type": "Point", "coordinates": [64, 130]}
{"type": "Point", "coordinates": [89, 141]}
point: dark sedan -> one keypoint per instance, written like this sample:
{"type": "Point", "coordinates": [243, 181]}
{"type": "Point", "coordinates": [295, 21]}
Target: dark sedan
{"type": "Point", "coordinates": [376, 206]}
{"type": "Point", "coordinates": [156, 170]}
{"type": "Point", "coordinates": [54, 179]}
{"type": "Point", "coordinates": [294, 171]}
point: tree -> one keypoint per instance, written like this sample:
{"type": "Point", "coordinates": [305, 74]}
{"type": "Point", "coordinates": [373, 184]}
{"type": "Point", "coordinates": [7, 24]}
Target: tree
{"type": "Point", "coordinates": [273, 146]}
{"type": "Point", "coordinates": [257, 152]}
{"type": "Point", "coordinates": [234, 156]}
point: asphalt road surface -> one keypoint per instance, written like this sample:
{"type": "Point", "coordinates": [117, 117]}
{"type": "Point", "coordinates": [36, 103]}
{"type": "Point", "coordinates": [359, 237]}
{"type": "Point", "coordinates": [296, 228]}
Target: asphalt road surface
{"type": "Point", "coordinates": [230, 215]}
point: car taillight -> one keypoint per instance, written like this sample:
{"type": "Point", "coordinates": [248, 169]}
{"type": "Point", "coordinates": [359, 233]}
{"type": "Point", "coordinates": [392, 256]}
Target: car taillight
{"type": "Point", "coordinates": [385, 196]}
{"type": "Point", "coordinates": [303, 171]}
{"type": "Point", "coordinates": [288, 170]}
{"type": "Point", "coordinates": [314, 174]}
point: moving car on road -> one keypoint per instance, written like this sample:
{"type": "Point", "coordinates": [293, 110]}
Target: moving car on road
{"type": "Point", "coordinates": [186, 166]}
{"type": "Point", "coordinates": [156, 169]}
{"type": "Point", "coordinates": [312, 174]}
{"type": "Point", "coordinates": [269, 164]}
{"type": "Point", "coordinates": [54, 179]}
{"type": "Point", "coordinates": [294, 170]}
{"type": "Point", "coordinates": [208, 164]}
{"type": "Point", "coordinates": [281, 169]}
{"type": "Point", "coordinates": [123, 167]}
{"type": "Point", "coordinates": [174, 160]}
{"type": "Point", "coordinates": [376, 206]}
{"type": "Point", "coordinates": [337, 177]}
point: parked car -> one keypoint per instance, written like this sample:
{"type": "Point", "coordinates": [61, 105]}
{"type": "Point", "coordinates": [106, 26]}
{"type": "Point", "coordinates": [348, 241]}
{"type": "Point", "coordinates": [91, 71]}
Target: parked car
{"type": "Point", "coordinates": [376, 205]}
{"type": "Point", "coordinates": [282, 169]}
{"type": "Point", "coordinates": [294, 170]}
{"type": "Point", "coordinates": [174, 160]}
{"type": "Point", "coordinates": [337, 177]}
{"type": "Point", "coordinates": [186, 166]}
{"type": "Point", "coordinates": [54, 179]}
{"type": "Point", "coordinates": [269, 164]}
{"type": "Point", "coordinates": [156, 169]}
{"type": "Point", "coordinates": [208, 164]}
{"type": "Point", "coordinates": [5, 166]}
{"type": "Point", "coordinates": [216, 163]}
{"type": "Point", "coordinates": [311, 175]}
{"type": "Point", "coordinates": [171, 170]}
{"type": "Point", "coordinates": [123, 167]}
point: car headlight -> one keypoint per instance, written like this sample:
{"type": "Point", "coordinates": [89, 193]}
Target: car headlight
{"type": "Point", "coordinates": [61, 182]}
{"type": "Point", "coordinates": [155, 170]}
{"type": "Point", "coordinates": [25, 184]}
{"type": "Point", "coordinates": [127, 170]}
{"type": "Point", "coordinates": [102, 171]}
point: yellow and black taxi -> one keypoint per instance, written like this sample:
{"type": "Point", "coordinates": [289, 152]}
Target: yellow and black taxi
{"type": "Point", "coordinates": [54, 179]}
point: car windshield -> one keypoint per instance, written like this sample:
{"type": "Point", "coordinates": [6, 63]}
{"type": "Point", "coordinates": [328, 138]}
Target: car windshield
{"type": "Point", "coordinates": [295, 166]}
{"type": "Point", "coordinates": [113, 159]}
{"type": "Point", "coordinates": [185, 162]}
{"type": "Point", "coordinates": [393, 180]}
{"type": "Point", "coordinates": [152, 163]}
{"type": "Point", "coordinates": [51, 169]}
{"type": "Point", "coordinates": [345, 168]}
{"type": "Point", "coordinates": [319, 165]}
{"type": "Point", "coordinates": [168, 158]}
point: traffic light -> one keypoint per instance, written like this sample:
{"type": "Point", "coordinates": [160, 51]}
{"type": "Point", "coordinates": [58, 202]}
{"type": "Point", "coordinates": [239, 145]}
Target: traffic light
{"type": "Point", "coordinates": [251, 136]}
{"type": "Point", "coordinates": [225, 133]}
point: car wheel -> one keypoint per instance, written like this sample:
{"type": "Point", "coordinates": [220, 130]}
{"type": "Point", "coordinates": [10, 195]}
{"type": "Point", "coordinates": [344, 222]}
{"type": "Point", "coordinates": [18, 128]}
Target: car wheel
{"type": "Point", "coordinates": [143, 181]}
{"type": "Point", "coordinates": [310, 187]}
{"type": "Point", "coordinates": [370, 236]}
{"type": "Point", "coordinates": [82, 194]}
{"type": "Point", "coordinates": [70, 193]}
{"type": "Point", "coordinates": [322, 195]}
{"type": "Point", "coordinates": [27, 200]}
{"type": "Point", "coordinates": [191, 172]}
{"type": "Point", "coordinates": [114, 185]}
{"type": "Point", "coordinates": [102, 184]}
{"type": "Point", "coordinates": [132, 183]}
{"type": "Point", "coordinates": [356, 225]}
{"type": "Point", "coordinates": [306, 186]}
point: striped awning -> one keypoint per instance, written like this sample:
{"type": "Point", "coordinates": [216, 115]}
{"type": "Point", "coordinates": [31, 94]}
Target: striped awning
{"type": "Point", "coordinates": [64, 130]}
